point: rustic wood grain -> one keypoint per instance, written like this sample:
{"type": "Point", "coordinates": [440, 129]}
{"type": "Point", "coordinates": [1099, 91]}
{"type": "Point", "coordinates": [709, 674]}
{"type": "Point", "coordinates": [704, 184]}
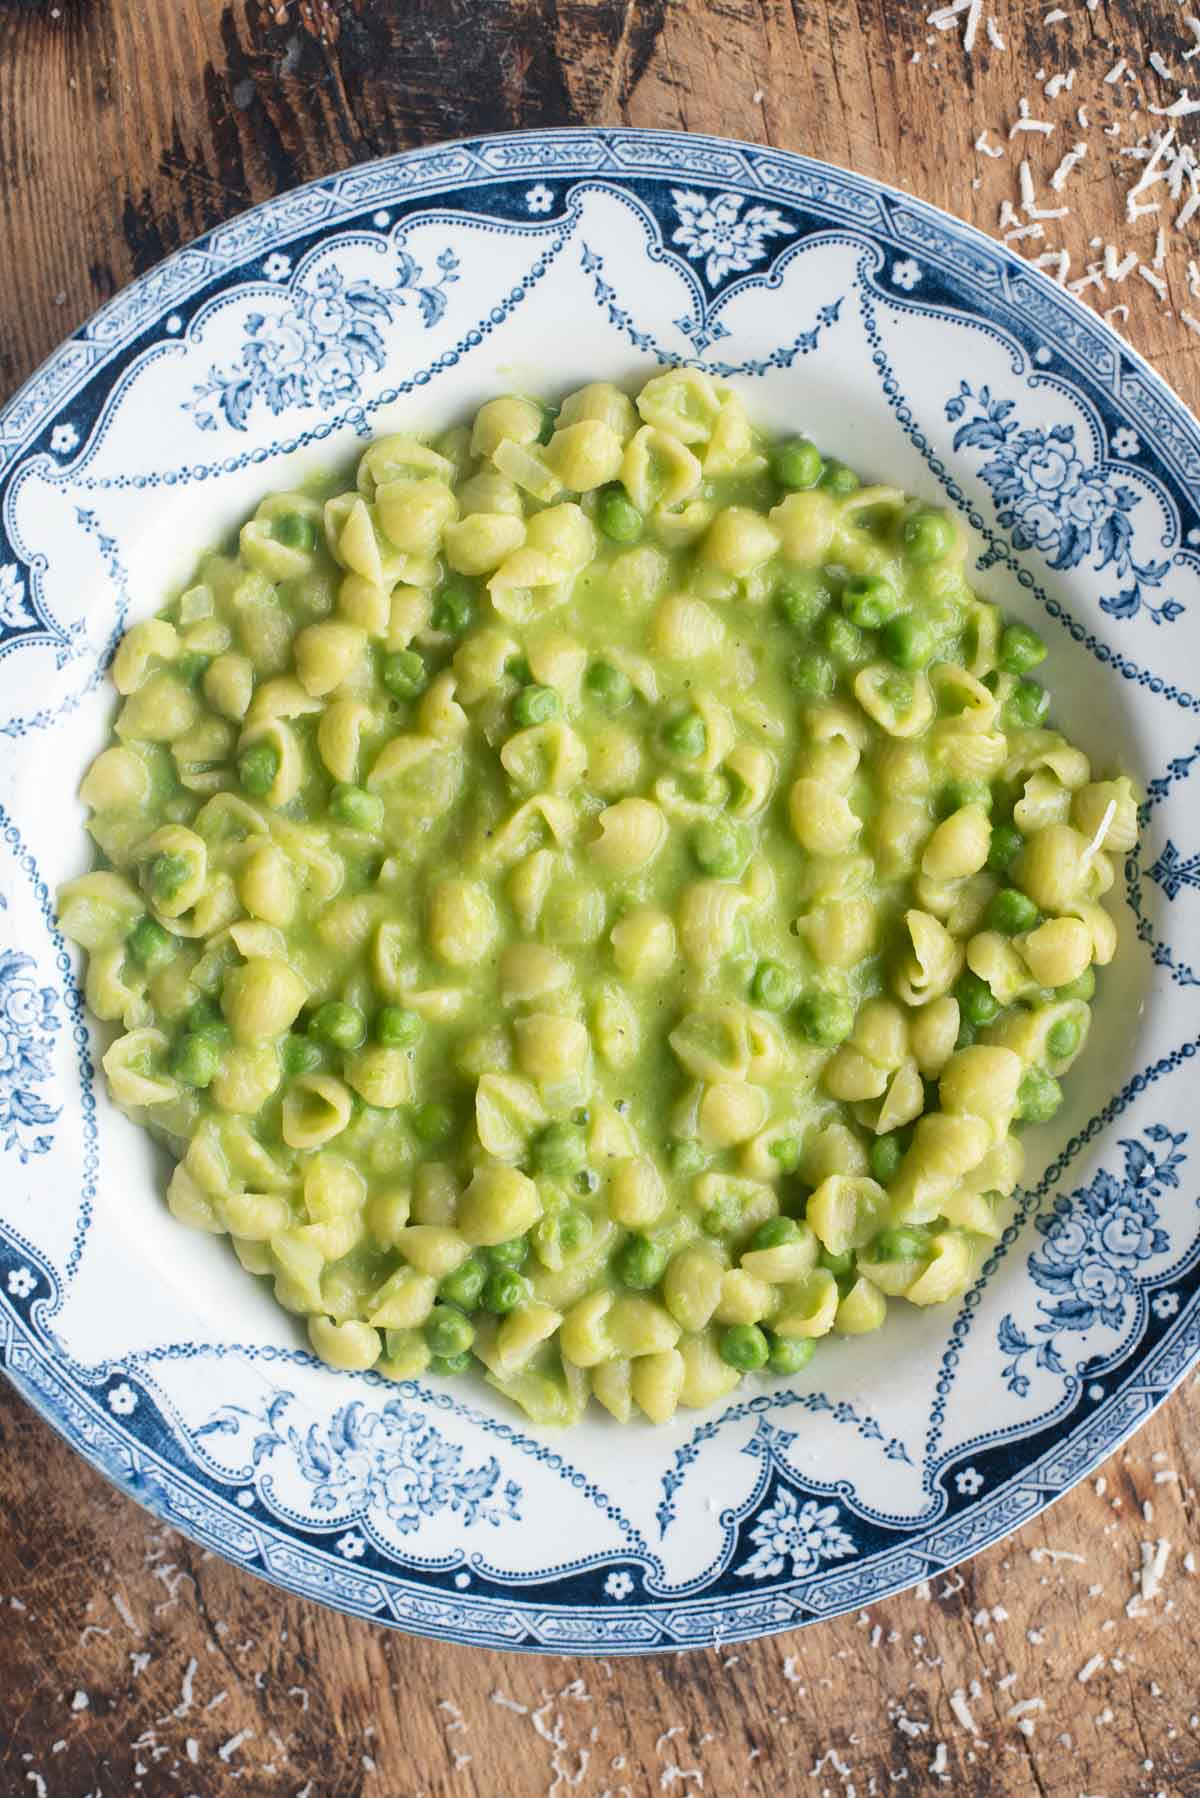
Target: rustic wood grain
{"type": "Point", "coordinates": [130, 1662]}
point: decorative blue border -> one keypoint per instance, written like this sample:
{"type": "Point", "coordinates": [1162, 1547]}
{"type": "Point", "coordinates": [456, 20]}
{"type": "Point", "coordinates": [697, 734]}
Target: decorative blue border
{"type": "Point", "coordinates": [582, 1608]}
{"type": "Point", "coordinates": [73, 1000]}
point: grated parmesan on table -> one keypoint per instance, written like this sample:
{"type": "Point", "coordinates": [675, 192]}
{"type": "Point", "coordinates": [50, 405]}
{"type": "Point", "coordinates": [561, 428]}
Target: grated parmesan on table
{"type": "Point", "coordinates": [1025, 122]}
{"type": "Point", "coordinates": [962, 1713]}
{"type": "Point", "coordinates": [1071, 160]}
{"type": "Point", "coordinates": [943, 19]}
{"type": "Point", "coordinates": [1154, 1564]}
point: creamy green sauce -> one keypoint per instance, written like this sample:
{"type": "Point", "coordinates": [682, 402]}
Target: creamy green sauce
{"type": "Point", "coordinates": [595, 900]}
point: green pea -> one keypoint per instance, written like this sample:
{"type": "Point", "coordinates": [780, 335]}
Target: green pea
{"type": "Point", "coordinates": [192, 667]}
{"type": "Point", "coordinates": [744, 1346]}
{"type": "Point", "coordinates": [451, 1364]}
{"type": "Point", "coordinates": [549, 421]}
{"type": "Point", "coordinates": [802, 595]}
{"type": "Point", "coordinates": [296, 531]}
{"type": "Point", "coordinates": [1038, 1097]}
{"type": "Point", "coordinates": [685, 735]}
{"type": "Point", "coordinates": [404, 673]}
{"type": "Point", "coordinates": [356, 808]}
{"type": "Point", "coordinates": [704, 788]}
{"type": "Point", "coordinates": [340, 1025]}
{"type": "Point", "coordinates": [842, 638]}
{"type": "Point", "coordinates": [536, 705]}
{"type": "Point", "coordinates": [825, 1018]}
{"type": "Point", "coordinates": [205, 1018]}
{"type": "Point", "coordinates": [836, 478]}
{"type": "Point", "coordinates": [505, 1290]}
{"type": "Point", "coordinates": [257, 768]}
{"type": "Point", "coordinates": [1026, 706]}
{"type": "Point", "coordinates": [928, 537]}
{"type": "Point", "coordinates": [786, 1151]}
{"type": "Point", "coordinates": [773, 986]}
{"type": "Point", "coordinates": [299, 1055]}
{"type": "Point", "coordinates": [685, 1159]}
{"type": "Point", "coordinates": [976, 1001]}
{"type": "Point", "coordinates": [966, 1034]}
{"type": "Point", "coordinates": [719, 848]}
{"type": "Point", "coordinates": [812, 675]}
{"type": "Point", "coordinates": [1020, 649]}
{"type": "Point", "coordinates": [150, 945]}
{"type": "Point", "coordinates": [518, 668]}
{"type": "Point", "coordinates": [165, 875]}
{"type": "Point", "coordinates": [775, 1232]}
{"type": "Point", "coordinates": [432, 1123]}
{"type": "Point", "coordinates": [1064, 1037]}
{"type": "Point", "coordinates": [796, 463]}
{"type": "Point", "coordinates": [723, 1215]}
{"type": "Point", "coordinates": [1006, 844]}
{"type": "Point", "coordinates": [957, 793]}
{"type": "Point", "coordinates": [790, 1353]}
{"type": "Point", "coordinates": [513, 1253]}
{"type": "Point", "coordinates": [885, 1155]}
{"type": "Point", "coordinates": [1010, 911]}
{"type": "Point", "coordinates": [617, 516]}
{"type": "Point", "coordinates": [397, 1027]}
{"type": "Point", "coordinates": [574, 1229]}
{"type": "Point", "coordinates": [1083, 987]}
{"type": "Point", "coordinates": [907, 641]}
{"type": "Point", "coordinates": [608, 686]}
{"type": "Point", "coordinates": [448, 1331]}
{"type": "Point", "coordinates": [465, 1285]}
{"type": "Point", "coordinates": [840, 1264]}
{"type": "Point", "coordinates": [558, 1149]}
{"type": "Point", "coordinates": [869, 601]}
{"type": "Point", "coordinates": [454, 608]}
{"type": "Point", "coordinates": [904, 1242]}
{"type": "Point", "coordinates": [640, 1263]}
{"type": "Point", "coordinates": [195, 1059]}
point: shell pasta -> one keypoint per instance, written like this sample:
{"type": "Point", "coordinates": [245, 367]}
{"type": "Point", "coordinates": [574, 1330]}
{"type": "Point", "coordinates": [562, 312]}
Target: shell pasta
{"type": "Point", "coordinates": [593, 899]}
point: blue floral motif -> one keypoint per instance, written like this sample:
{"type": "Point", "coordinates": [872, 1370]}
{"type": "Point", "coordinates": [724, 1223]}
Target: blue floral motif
{"type": "Point", "coordinates": [1095, 1240]}
{"type": "Point", "coordinates": [1178, 768]}
{"type": "Point", "coordinates": [316, 352]}
{"type": "Point", "coordinates": [815, 1403]}
{"type": "Point", "coordinates": [1050, 500]}
{"type": "Point", "coordinates": [1172, 872]}
{"type": "Point", "coordinates": [702, 329]}
{"type": "Point", "coordinates": [16, 613]}
{"type": "Point", "coordinates": [713, 230]}
{"type": "Point", "coordinates": [27, 1027]}
{"type": "Point", "coordinates": [22, 621]}
{"type": "Point", "coordinates": [390, 1461]}
{"type": "Point", "coordinates": [803, 1533]}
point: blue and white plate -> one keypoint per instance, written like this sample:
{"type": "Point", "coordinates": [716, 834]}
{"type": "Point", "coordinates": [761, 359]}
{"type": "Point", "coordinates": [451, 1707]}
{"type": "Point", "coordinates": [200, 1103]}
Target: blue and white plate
{"type": "Point", "coordinates": [402, 294]}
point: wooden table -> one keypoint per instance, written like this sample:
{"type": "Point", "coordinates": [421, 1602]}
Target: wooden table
{"type": "Point", "coordinates": [129, 1661]}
